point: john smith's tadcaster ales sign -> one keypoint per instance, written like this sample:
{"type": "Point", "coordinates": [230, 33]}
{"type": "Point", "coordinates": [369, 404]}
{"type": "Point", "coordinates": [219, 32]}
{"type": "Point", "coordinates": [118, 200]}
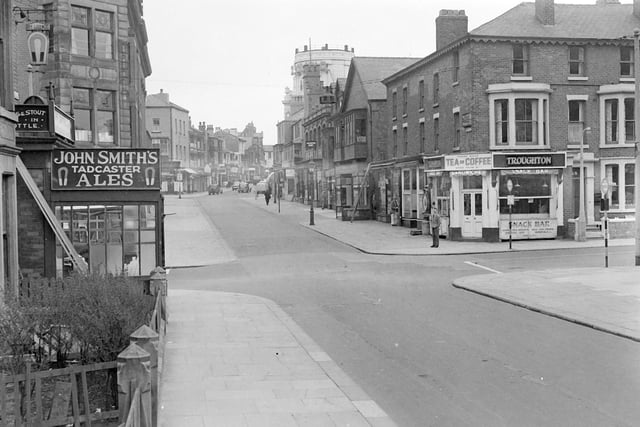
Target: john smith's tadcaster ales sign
{"type": "Point", "coordinates": [105, 169]}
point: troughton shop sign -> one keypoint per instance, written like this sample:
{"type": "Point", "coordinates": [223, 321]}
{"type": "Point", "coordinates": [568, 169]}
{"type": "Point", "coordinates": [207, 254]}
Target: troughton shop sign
{"type": "Point", "coordinates": [106, 169]}
{"type": "Point", "coordinates": [529, 160]}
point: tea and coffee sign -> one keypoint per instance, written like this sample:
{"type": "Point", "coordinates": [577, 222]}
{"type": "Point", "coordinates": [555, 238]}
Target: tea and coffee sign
{"type": "Point", "coordinates": [105, 169]}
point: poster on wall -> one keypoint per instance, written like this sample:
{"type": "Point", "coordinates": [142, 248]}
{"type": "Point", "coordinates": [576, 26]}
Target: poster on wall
{"type": "Point", "coordinates": [529, 229]}
{"type": "Point", "coordinates": [105, 169]}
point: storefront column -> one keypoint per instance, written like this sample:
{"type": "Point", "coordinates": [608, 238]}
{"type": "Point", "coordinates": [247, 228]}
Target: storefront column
{"type": "Point", "coordinates": [491, 217]}
{"type": "Point", "coordinates": [455, 224]}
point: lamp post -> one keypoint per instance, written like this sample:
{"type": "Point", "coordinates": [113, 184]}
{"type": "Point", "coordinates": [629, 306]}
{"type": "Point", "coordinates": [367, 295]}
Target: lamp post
{"type": "Point", "coordinates": [581, 225]}
{"type": "Point", "coordinates": [510, 201]}
{"type": "Point", "coordinates": [636, 52]}
{"type": "Point", "coordinates": [313, 173]}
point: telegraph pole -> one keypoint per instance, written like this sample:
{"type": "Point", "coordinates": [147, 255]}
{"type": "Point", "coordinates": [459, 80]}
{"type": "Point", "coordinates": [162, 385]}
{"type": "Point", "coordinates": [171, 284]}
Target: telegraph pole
{"type": "Point", "coordinates": [636, 69]}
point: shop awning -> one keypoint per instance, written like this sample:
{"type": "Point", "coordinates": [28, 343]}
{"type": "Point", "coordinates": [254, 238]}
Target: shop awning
{"type": "Point", "coordinates": [78, 262]}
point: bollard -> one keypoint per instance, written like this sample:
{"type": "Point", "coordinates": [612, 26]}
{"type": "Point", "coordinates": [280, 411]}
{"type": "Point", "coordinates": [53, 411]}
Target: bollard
{"type": "Point", "coordinates": [134, 371]}
{"type": "Point", "coordinates": [147, 339]}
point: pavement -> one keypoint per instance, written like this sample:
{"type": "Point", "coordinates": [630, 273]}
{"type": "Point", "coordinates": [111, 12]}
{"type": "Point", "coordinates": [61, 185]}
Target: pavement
{"type": "Point", "coordinates": [239, 360]}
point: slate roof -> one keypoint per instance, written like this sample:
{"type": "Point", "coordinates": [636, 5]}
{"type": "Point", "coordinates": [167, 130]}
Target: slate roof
{"type": "Point", "coordinates": [572, 21]}
{"type": "Point", "coordinates": [372, 70]}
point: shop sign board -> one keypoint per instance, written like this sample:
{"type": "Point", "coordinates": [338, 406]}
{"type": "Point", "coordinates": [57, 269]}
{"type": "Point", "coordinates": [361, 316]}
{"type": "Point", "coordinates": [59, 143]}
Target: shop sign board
{"type": "Point", "coordinates": [63, 124]}
{"type": "Point", "coordinates": [529, 160]}
{"type": "Point", "coordinates": [105, 169]}
{"type": "Point", "coordinates": [529, 228]}
{"type": "Point", "coordinates": [468, 162]}
{"type": "Point", "coordinates": [434, 163]}
{"type": "Point", "coordinates": [32, 118]}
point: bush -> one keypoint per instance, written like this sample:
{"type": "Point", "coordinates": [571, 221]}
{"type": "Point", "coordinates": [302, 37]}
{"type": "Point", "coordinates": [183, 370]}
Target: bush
{"type": "Point", "coordinates": [92, 315]}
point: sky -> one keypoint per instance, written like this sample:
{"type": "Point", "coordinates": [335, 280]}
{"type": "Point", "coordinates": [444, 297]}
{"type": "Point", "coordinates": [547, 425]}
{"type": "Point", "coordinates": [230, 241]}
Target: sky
{"type": "Point", "coordinates": [229, 61]}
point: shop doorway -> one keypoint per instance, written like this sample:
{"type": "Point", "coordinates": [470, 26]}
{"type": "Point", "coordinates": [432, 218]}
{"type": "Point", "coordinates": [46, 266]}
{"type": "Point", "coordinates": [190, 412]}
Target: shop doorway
{"type": "Point", "coordinates": [472, 215]}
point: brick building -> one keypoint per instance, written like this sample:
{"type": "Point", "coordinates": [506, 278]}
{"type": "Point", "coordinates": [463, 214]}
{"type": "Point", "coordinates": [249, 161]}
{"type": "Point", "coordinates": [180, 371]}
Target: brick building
{"type": "Point", "coordinates": [89, 192]}
{"type": "Point", "coordinates": [502, 110]}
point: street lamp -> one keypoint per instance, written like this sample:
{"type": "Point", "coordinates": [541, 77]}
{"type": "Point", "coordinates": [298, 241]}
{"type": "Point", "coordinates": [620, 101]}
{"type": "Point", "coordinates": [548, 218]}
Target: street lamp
{"type": "Point", "coordinates": [313, 175]}
{"type": "Point", "coordinates": [581, 225]}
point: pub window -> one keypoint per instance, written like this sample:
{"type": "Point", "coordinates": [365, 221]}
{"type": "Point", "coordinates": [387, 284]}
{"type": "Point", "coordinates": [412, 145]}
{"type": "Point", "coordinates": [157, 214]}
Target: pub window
{"type": "Point", "coordinates": [94, 113]}
{"type": "Point", "coordinates": [92, 32]}
{"type": "Point", "coordinates": [112, 239]}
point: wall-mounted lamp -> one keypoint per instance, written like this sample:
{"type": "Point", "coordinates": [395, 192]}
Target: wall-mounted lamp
{"type": "Point", "coordinates": [21, 14]}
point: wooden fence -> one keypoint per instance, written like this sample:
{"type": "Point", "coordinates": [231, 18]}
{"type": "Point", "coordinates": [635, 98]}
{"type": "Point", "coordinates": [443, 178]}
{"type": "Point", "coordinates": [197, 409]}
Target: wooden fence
{"type": "Point", "coordinates": [63, 397]}
{"type": "Point", "coordinates": [54, 397]}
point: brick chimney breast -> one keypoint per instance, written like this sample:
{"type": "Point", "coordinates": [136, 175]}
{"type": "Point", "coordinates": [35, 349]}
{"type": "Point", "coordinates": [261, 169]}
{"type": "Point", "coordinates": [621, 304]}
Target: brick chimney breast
{"type": "Point", "coordinates": [545, 12]}
{"type": "Point", "coordinates": [451, 25]}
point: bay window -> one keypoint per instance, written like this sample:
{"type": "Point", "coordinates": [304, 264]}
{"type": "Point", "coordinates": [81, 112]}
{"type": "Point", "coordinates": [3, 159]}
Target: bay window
{"type": "Point", "coordinates": [518, 113]}
{"type": "Point", "coordinates": [617, 115]}
{"type": "Point", "coordinates": [621, 175]}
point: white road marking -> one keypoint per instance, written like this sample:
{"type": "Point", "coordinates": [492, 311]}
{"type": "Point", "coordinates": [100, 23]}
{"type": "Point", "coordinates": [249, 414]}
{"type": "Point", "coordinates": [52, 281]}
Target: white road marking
{"type": "Point", "coordinates": [475, 264]}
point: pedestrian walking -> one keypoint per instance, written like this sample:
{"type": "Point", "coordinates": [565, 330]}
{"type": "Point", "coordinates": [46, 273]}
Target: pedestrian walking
{"type": "Point", "coordinates": [267, 195]}
{"type": "Point", "coordinates": [434, 220]}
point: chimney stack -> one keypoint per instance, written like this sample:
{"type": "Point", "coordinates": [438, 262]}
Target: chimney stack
{"type": "Point", "coordinates": [545, 12]}
{"type": "Point", "coordinates": [451, 25]}
{"type": "Point", "coordinates": [636, 8]}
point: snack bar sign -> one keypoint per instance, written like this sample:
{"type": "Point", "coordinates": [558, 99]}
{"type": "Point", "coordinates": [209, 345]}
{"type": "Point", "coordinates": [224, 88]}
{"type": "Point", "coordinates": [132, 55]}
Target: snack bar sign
{"type": "Point", "coordinates": [107, 169]}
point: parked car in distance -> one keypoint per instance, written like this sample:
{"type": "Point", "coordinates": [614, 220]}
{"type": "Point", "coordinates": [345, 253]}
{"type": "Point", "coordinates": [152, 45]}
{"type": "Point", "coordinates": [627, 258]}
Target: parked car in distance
{"type": "Point", "coordinates": [215, 189]}
{"type": "Point", "coordinates": [261, 187]}
{"type": "Point", "coordinates": [235, 185]}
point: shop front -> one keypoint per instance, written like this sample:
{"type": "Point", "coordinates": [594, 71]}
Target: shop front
{"type": "Point", "coordinates": [529, 194]}
{"type": "Point", "coordinates": [438, 190]}
{"type": "Point", "coordinates": [109, 205]}
{"type": "Point", "coordinates": [472, 194]}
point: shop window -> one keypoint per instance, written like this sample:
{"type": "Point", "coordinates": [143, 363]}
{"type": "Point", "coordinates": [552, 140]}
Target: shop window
{"type": "Point", "coordinates": [114, 239]}
{"type": "Point", "coordinates": [532, 193]}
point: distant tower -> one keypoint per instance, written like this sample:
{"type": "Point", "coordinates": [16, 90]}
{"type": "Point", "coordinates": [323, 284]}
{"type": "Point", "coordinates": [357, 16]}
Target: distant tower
{"type": "Point", "coordinates": [330, 63]}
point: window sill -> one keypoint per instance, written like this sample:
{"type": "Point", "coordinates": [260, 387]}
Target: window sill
{"type": "Point", "coordinates": [519, 147]}
{"type": "Point", "coordinates": [577, 78]}
{"type": "Point", "coordinates": [521, 78]}
{"type": "Point", "coordinates": [627, 79]}
{"type": "Point", "coordinates": [394, 118]}
{"type": "Point", "coordinates": [454, 84]}
{"type": "Point", "coordinates": [404, 116]}
{"type": "Point", "coordinates": [436, 105]}
{"type": "Point", "coordinates": [421, 110]}
{"type": "Point", "coordinates": [456, 149]}
{"type": "Point", "coordinates": [625, 145]}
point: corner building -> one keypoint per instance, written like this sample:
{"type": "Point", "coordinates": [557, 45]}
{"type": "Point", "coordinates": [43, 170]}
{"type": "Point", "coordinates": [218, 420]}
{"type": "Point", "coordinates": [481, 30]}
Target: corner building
{"type": "Point", "coordinates": [497, 116]}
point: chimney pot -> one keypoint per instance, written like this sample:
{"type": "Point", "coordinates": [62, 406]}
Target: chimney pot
{"type": "Point", "coordinates": [451, 25]}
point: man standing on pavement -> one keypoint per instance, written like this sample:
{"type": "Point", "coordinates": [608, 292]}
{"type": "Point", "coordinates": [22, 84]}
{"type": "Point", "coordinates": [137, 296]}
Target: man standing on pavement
{"type": "Point", "coordinates": [434, 220]}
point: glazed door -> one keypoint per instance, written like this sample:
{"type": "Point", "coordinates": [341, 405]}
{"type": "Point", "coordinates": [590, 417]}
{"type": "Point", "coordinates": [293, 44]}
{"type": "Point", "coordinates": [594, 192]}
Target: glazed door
{"type": "Point", "coordinates": [472, 221]}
